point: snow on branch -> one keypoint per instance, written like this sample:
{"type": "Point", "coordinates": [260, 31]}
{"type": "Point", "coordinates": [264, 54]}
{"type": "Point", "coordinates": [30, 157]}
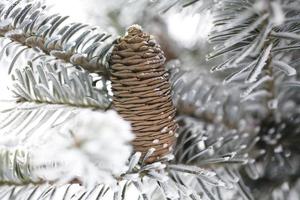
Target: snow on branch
{"type": "Point", "coordinates": [79, 148]}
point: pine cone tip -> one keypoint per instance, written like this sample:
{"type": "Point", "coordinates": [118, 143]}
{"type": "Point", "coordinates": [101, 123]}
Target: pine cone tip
{"type": "Point", "coordinates": [135, 28]}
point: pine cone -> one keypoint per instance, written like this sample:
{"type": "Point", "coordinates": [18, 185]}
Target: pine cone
{"type": "Point", "coordinates": [142, 92]}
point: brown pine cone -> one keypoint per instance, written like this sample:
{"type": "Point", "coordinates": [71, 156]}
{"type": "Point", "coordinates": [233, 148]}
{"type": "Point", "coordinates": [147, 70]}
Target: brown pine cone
{"type": "Point", "coordinates": [142, 92]}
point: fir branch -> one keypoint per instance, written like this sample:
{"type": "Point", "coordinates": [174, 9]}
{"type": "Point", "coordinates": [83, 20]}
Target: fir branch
{"type": "Point", "coordinates": [47, 191]}
{"type": "Point", "coordinates": [46, 80]}
{"type": "Point", "coordinates": [30, 25]}
{"type": "Point", "coordinates": [260, 41]}
{"type": "Point", "coordinates": [69, 133]}
{"type": "Point", "coordinates": [25, 121]}
{"type": "Point", "coordinates": [198, 95]}
{"type": "Point", "coordinates": [217, 148]}
{"type": "Point", "coordinates": [207, 147]}
{"type": "Point", "coordinates": [180, 184]}
{"type": "Point", "coordinates": [18, 161]}
{"type": "Point", "coordinates": [257, 38]}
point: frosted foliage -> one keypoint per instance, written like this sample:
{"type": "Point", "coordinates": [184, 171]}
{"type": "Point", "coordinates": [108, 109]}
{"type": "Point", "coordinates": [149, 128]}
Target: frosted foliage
{"type": "Point", "coordinates": [256, 39]}
{"type": "Point", "coordinates": [238, 135]}
{"type": "Point", "coordinates": [92, 152]}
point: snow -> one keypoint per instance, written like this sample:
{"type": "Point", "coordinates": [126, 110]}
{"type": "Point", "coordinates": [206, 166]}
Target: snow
{"type": "Point", "coordinates": [84, 155]}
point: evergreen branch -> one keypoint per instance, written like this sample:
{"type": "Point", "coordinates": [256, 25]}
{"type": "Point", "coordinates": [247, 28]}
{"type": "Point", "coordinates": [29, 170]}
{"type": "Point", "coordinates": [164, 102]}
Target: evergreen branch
{"type": "Point", "coordinates": [23, 125]}
{"type": "Point", "coordinates": [208, 147]}
{"type": "Point", "coordinates": [46, 80]}
{"type": "Point", "coordinates": [164, 175]}
{"type": "Point", "coordinates": [30, 25]}
{"type": "Point", "coordinates": [260, 42]}
{"type": "Point", "coordinates": [218, 148]}
{"type": "Point", "coordinates": [69, 133]}
{"type": "Point", "coordinates": [46, 191]}
{"type": "Point", "coordinates": [18, 161]}
{"type": "Point", "coordinates": [251, 34]}
{"type": "Point", "coordinates": [165, 6]}
{"type": "Point", "coordinates": [212, 137]}
{"type": "Point", "coordinates": [25, 121]}
{"type": "Point", "coordinates": [138, 176]}
{"type": "Point", "coordinates": [200, 96]}
{"type": "Point", "coordinates": [171, 190]}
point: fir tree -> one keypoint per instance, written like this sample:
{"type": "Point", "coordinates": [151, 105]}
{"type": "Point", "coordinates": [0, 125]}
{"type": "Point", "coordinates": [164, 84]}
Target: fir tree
{"type": "Point", "coordinates": [125, 111]}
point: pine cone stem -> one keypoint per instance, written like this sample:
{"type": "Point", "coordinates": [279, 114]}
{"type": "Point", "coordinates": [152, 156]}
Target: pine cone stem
{"type": "Point", "coordinates": [142, 92]}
